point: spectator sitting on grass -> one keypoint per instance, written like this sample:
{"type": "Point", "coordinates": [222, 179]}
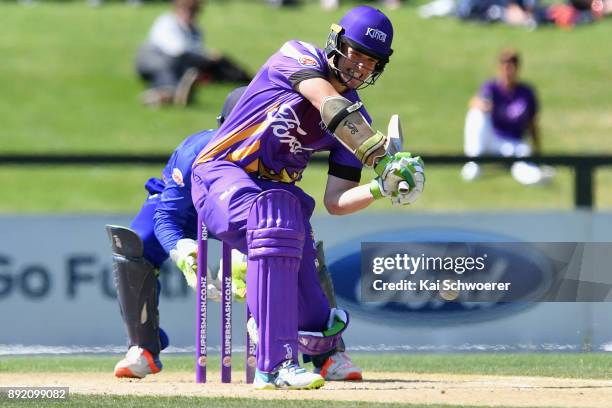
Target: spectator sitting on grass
{"type": "Point", "coordinates": [173, 59]}
{"type": "Point", "coordinates": [500, 116]}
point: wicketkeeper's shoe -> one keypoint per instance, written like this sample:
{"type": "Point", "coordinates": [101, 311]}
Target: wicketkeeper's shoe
{"type": "Point", "coordinates": [290, 376]}
{"type": "Point", "coordinates": [138, 363]}
{"type": "Point", "coordinates": [339, 367]}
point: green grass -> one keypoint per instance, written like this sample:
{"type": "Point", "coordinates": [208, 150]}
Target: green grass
{"type": "Point", "coordinates": [580, 365]}
{"type": "Point", "coordinates": [113, 401]}
{"type": "Point", "coordinates": [68, 85]}
{"type": "Point", "coordinates": [120, 189]}
{"type": "Point", "coordinates": [66, 189]}
{"type": "Point", "coordinates": [594, 366]}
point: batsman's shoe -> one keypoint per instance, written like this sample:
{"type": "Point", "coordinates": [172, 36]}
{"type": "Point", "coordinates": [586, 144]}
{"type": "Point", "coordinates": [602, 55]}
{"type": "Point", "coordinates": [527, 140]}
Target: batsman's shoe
{"type": "Point", "coordinates": [138, 363]}
{"type": "Point", "coordinates": [340, 367]}
{"type": "Point", "coordinates": [263, 381]}
{"type": "Point", "coordinates": [290, 376]}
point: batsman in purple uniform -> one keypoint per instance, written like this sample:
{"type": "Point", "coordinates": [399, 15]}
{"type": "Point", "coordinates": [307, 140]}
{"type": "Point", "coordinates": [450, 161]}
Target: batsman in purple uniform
{"type": "Point", "coordinates": [301, 101]}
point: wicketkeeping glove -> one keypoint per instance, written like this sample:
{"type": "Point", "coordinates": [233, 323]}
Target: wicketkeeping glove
{"type": "Point", "coordinates": [185, 256]}
{"type": "Point", "coordinates": [239, 268]}
{"type": "Point", "coordinates": [401, 167]}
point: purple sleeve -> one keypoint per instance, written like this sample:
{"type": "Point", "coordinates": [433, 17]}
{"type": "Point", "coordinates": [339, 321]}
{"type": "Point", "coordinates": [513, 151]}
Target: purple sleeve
{"type": "Point", "coordinates": [293, 59]}
{"type": "Point", "coordinates": [486, 91]}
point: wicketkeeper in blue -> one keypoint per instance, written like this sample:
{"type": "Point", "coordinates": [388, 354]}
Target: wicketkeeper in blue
{"type": "Point", "coordinates": [166, 226]}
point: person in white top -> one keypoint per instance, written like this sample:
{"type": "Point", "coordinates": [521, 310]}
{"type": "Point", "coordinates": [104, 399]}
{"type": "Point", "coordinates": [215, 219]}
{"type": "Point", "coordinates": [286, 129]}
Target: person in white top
{"type": "Point", "coordinates": [174, 58]}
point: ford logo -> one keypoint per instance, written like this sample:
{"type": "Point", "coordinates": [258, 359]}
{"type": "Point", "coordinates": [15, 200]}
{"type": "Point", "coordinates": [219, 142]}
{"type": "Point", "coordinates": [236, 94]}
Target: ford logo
{"type": "Point", "coordinates": [529, 271]}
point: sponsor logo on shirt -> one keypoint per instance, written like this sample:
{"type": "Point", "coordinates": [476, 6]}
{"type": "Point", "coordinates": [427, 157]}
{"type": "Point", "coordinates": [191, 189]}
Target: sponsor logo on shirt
{"type": "Point", "coordinates": [177, 176]}
{"type": "Point", "coordinates": [284, 121]}
{"type": "Point", "coordinates": [307, 61]}
{"type": "Point", "coordinates": [376, 34]}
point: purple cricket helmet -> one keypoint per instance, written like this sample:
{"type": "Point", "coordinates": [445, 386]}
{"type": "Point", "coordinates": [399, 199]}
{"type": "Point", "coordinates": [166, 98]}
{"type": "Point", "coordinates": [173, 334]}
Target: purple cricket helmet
{"type": "Point", "coordinates": [367, 30]}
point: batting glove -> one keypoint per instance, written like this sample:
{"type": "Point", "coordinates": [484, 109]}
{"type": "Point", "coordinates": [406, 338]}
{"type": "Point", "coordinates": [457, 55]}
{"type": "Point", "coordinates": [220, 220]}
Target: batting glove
{"type": "Point", "coordinates": [401, 167]}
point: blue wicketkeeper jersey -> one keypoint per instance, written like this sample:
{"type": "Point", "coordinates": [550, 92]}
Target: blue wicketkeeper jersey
{"type": "Point", "coordinates": [169, 211]}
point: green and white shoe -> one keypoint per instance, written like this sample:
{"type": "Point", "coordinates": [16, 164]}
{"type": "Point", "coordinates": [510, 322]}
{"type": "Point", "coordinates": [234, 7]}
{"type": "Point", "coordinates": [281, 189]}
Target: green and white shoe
{"type": "Point", "coordinates": [290, 376]}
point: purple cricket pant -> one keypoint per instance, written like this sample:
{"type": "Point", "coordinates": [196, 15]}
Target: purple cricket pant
{"type": "Point", "coordinates": [281, 302]}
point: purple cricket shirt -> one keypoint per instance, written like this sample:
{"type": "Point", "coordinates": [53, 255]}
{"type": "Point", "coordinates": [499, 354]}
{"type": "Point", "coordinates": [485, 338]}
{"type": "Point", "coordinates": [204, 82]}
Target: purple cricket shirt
{"type": "Point", "coordinates": [513, 109]}
{"type": "Point", "coordinates": [273, 130]}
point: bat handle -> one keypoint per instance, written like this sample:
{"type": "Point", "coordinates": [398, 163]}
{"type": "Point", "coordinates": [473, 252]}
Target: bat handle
{"type": "Point", "coordinates": [403, 187]}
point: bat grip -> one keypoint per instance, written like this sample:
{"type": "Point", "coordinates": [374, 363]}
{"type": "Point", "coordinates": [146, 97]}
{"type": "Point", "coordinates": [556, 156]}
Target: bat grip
{"type": "Point", "coordinates": [403, 187]}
